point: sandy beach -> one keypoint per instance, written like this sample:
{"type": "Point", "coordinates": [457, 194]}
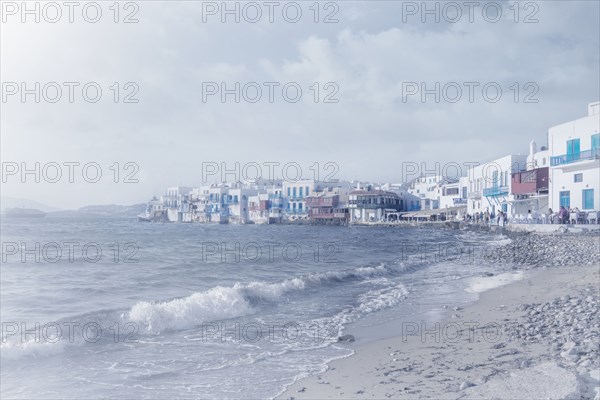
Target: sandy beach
{"type": "Point", "coordinates": [532, 334]}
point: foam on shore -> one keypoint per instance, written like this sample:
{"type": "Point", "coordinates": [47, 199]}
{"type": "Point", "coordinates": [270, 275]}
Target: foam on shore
{"type": "Point", "coordinates": [485, 283]}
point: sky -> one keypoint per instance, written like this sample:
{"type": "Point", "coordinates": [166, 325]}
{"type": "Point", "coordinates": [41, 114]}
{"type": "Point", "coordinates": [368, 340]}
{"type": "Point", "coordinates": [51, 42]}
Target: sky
{"type": "Point", "coordinates": [369, 74]}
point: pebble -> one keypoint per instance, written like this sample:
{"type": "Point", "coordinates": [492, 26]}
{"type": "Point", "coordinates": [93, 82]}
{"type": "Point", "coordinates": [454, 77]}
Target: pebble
{"type": "Point", "coordinates": [346, 338]}
{"type": "Point", "coordinates": [534, 251]}
{"type": "Point", "coordinates": [569, 325]}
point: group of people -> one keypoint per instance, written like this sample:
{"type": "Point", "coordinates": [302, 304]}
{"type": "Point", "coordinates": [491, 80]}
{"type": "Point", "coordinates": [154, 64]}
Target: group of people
{"type": "Point", "coordinates": [485, 217]}
{"type": "Point", "coordinates": [563, 214]}
{"type": "Point", "coordinates": [501, 219]}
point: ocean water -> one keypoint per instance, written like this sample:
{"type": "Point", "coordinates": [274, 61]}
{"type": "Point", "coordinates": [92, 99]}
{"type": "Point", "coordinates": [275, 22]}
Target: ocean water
{"type": "Point", "coordinates": [117, 308]}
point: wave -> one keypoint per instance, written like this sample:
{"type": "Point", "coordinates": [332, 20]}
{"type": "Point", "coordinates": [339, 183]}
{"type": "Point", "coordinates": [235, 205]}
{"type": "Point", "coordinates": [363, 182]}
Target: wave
{"type": "Point", "coordinates": [15, 349]}
{"type": "Point", "coordinates": [215, 304]}
{"type": "Point", "coordinates": [221, 303]}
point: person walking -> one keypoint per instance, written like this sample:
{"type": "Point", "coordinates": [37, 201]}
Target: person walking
{"type": "Point", "coordinates": [563, 215]}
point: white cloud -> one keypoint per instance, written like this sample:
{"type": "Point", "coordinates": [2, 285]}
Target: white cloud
{"type": "Point", "coordinates": [369, 53]}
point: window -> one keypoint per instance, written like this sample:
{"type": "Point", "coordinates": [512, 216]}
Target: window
{"type": "Point", "coordinates": [288, 192]}
{"type": "Point", "coordinates": [578, 178]}
{"type": "Point", "coordinates": [294, 192]}
{"type": "Point", "coordinates": [301, 193]}
{"type": "Point", "coordinates": [565, 198]}
{"type": "Point", "coordinates": [307, 191]}
{"type": "Point", "coordinates": [588, 199]}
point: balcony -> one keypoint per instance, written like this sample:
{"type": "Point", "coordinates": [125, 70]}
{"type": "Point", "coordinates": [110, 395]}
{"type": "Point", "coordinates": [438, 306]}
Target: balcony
{"type": "Point", "coordinates": [496, 191]}
{"type": "Point", "coordinates": [592, 154]}
{"type": "Point", "coordinates": [296, 211]}
{"type": "Point", "coordinates": [530, 182]}
{"type": "Point", "coordinates": [457, 201]}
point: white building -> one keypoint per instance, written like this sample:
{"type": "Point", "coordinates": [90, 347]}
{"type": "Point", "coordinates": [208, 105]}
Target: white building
{"type": "Point", "coordinates": [575, 162]}
{"type": "Point", "coordinates": [490, 185]}
{"type": "Point", "coordinates": [530, 186]}
{"type": "Point", "coordinates": [454, 193]}
{"type": "Point", "coordinates": [214, 210]}
{"type": "Point", "coordinates": [373, 205]}
{"type": "Point", "coordinates": [267, 206]}
{"type": "Point", "coordinates": [429, 190]}
{"type": "Point", "coordinates": [236, 201]}
{"type": "Point", "coordinates": [175, 202]}
{"type": "Point", "coordinates": [296, 194]}
{"type": "Point", "coordinates": [408, 201]}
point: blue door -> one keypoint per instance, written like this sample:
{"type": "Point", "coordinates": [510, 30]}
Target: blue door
{"type": "Point", "coordinates": [596, 145]}
{"type": "Point", "coordinates": [588, 199]}
{"type": "Point", "coordinates": [572, 150]}
{"type": "Point", "coordinates": [565, 198]}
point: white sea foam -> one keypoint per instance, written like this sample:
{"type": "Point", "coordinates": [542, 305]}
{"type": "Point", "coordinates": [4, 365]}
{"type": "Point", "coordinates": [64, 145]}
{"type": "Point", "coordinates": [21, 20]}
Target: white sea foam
{"type": "Point", "coordinates": [220, 303]}
{"type": "Point", "coordinates": [482, 284]}
{"type": "Point", "coordinates": [216, 303]}
{"type": "Point", "coordinates": [380, 299]}
{"type": "Point", "coordinates": [229, 302]}
{"type": "Point", "coordinates": [17, 348]}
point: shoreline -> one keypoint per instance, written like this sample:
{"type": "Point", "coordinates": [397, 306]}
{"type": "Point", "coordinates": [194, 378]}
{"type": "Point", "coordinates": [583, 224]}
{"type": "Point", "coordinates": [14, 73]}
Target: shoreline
{"type": "Point", "coordinates": [494, 347]}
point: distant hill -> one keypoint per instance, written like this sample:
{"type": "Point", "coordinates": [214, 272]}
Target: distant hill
{"type": "Point", "coordinates": [12, 202]}
{"type": "Point", "coordinates": [101, 211]}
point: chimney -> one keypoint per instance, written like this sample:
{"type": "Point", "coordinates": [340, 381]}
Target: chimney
{"type": "Point", "coordinates": [532, 148]}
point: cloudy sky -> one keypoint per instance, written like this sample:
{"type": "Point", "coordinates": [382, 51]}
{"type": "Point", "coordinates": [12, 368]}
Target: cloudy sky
{"type": "Point", "coordinates": [371, 58]}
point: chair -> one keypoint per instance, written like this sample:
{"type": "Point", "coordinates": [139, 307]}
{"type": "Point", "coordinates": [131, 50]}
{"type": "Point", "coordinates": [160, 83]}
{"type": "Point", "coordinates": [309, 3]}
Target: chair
{"type": "Point", "coordinates": [573, 217]}
{"type": "Point", "coordinates": [592, 217]}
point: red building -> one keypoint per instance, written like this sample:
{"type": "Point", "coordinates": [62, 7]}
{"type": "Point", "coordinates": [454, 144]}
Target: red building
{"type": "Point", "coordinates": [326, 208]}
{"type": "Point", "coordinates": [534, 181]}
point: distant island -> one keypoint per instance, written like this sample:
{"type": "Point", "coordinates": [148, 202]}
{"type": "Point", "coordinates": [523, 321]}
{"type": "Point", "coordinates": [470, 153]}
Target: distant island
{"type": "Point", "coordinates": [14, 206]}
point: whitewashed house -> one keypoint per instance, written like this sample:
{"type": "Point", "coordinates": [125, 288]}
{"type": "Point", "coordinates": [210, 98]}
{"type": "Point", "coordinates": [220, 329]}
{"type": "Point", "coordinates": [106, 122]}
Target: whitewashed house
{"type": "Point", "coordinates": [296, 194]}
{"type": "Point", "coordinates": [490, 185]}
{"type": "Point", "coordinates": [236, 203]}
{"type": "Point", "coordinates": [530, 186]}
{"type": "Point", "coordinates": [574, 148]}
{"type": "Point", "coordinates": [175, 202]}
{"type": "Point", "coordinates": [372, 205]}
{"type": "Point", "coordinates": [428, 189]}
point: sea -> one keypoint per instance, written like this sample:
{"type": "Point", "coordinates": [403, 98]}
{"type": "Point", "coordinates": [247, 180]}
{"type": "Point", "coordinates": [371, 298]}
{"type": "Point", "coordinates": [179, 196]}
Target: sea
{"type": "Point", "coordinates": [106, 308]}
